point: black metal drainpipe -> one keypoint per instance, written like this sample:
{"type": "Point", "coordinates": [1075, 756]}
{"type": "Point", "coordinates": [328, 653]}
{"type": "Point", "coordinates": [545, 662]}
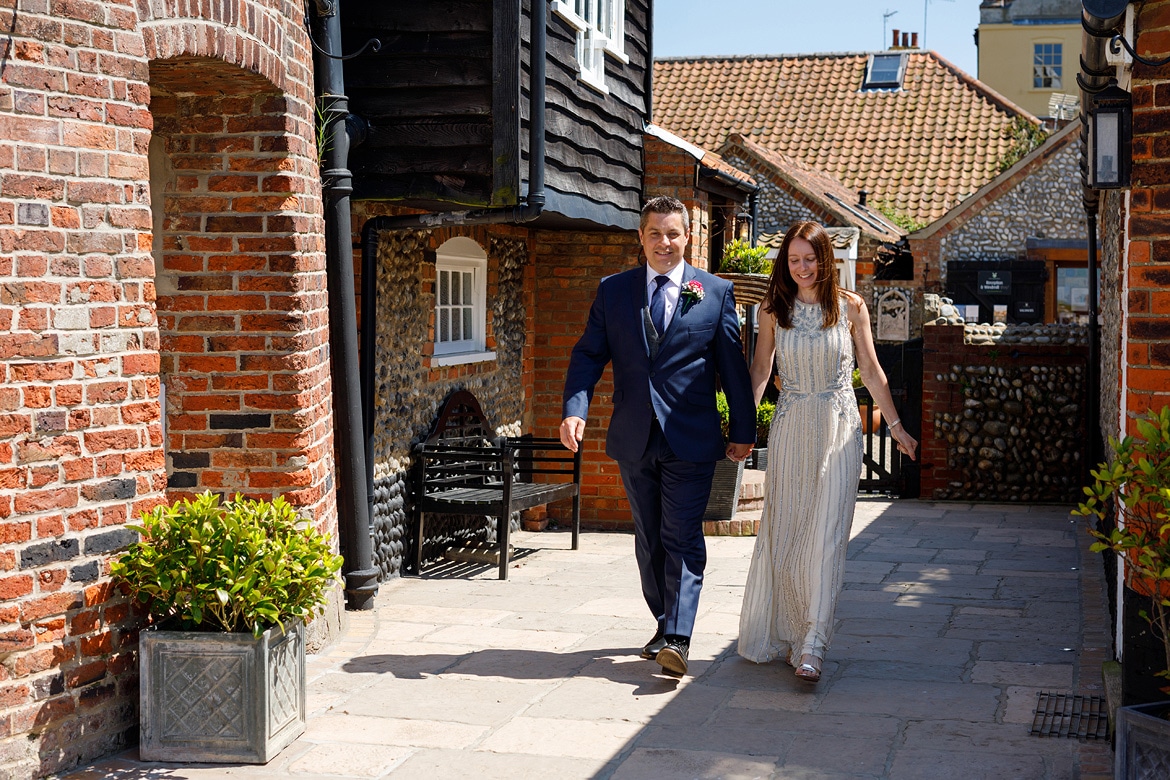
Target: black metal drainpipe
{"type": "Point", "coordinates": [532, 208]}
{"type": "Point", "coordinates": [361, 578]}
{"type": "Point", "coordinates": [1099, 19]}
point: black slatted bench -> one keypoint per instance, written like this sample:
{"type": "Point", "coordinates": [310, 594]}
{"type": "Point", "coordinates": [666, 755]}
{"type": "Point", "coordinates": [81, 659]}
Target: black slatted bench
{"type": "Point", "coordinates": [462, 469]}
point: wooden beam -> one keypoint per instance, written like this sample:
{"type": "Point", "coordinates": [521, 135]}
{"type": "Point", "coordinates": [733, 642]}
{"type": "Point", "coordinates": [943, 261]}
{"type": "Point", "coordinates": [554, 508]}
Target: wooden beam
{"type": "Point", "coordinates": [506, 103]}
{"type": "Point", "coordinates": [430, 133]}
{"type": "Point", "coordinates": [407, 72]}
{"type": "Point", "coordinates": [396, 104]}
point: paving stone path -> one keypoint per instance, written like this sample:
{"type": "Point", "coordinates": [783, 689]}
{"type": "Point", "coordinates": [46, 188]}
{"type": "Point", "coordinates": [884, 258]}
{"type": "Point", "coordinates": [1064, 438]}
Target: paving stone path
{"type": "Point", "coordinates": [954, 617]}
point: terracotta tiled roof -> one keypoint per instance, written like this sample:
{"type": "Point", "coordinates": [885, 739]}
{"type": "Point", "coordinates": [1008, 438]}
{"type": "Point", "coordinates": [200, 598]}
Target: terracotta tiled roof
{"type": "Point", "coordinates": [831, 196]}
{"type": "Point", "coordinates": [921, 148]}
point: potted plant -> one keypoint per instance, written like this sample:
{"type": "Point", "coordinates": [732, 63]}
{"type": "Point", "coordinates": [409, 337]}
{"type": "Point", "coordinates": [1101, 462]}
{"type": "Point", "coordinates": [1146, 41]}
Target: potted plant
{"type": "Point", "coordinates": [227, 588]}
{"type": "Point", "coordinates": [749, 268]}
{"type": "Point", "coordinates": [1130, 500]}
{"type": "Point", "coordinates": [728, 479]}
{"type": "Point", "coordinates": [764, 413]}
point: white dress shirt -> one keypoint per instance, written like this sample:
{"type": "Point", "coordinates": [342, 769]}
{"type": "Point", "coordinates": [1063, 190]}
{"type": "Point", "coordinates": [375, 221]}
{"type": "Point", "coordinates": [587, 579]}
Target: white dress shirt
{"type": "Point", "coordinates": [671, 289]}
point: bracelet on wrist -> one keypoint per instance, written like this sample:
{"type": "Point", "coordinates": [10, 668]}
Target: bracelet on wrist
{"type": "Point", "coordinates": [895, 422]}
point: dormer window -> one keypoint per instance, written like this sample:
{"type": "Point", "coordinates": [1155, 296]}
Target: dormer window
{"type": "Point", "coordinates": [885, 71]}
{"type": "Point", "coordinates": [601, 30]}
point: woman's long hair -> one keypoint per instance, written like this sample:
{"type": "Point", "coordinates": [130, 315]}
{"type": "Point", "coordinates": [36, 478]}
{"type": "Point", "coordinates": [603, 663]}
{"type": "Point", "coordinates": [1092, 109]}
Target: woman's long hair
{"type": "Point", "coordinates": [782, 287]}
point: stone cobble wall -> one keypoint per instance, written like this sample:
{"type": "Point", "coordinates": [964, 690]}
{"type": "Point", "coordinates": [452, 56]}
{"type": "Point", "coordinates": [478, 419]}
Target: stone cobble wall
{"type": "Point", "coordinates": [409, 391]}
{"type": "Point", "coordinates": [776, 208]}
{"type": "Point", "coordinates": [1044, 204]}
{"type": "Point", "coordinates": [227, 88]}
{"type": "Point", "coordinates": [1003, 419]}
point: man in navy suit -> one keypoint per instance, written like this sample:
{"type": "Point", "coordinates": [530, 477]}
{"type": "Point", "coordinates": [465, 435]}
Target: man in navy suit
{"type": "Point", "coordinates": [669, 329]}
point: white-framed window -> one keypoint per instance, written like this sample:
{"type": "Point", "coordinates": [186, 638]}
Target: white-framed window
{"type": "Point", "coordinates": [601, 30]}
{"type": "Point", "coordinates": [460, 303]}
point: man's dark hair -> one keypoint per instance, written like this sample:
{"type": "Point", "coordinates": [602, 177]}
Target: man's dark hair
{"type": "Point", "coordinates": [665, 204]}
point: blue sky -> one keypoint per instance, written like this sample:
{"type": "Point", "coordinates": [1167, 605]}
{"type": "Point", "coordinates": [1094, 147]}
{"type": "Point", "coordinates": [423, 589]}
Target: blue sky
{"type": "Point", "coordinates": [708, 27]}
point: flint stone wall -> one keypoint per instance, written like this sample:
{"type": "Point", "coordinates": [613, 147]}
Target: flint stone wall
{"type": "Point", "coordinates": [1045, 204]}
{"type": "Point", "coordinates": [1003, 420]}
{"type": "Point", "coordinates": [409, 393]}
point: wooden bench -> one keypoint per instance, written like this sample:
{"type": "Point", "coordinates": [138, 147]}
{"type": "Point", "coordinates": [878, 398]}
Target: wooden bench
{"type": "Point", "coordinates": [462, 469]}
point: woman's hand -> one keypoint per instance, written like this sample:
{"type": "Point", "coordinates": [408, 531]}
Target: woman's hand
{"type": "Point", "coordinates": [907, 444]}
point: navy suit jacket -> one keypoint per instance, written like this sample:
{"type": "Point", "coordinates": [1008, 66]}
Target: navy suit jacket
{"type": "Point", "coordinates": [678, 386]}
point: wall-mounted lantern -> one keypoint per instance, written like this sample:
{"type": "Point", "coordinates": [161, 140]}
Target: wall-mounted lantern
{"type": "Point", "coordinates": [1110, 138]}
{"type": "Point", "coordinates": [743, 227]}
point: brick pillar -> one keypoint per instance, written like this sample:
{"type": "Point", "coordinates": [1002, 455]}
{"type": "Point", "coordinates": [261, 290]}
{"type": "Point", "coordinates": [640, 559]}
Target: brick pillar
{"type": "Point", "coordinates": [941, 347]}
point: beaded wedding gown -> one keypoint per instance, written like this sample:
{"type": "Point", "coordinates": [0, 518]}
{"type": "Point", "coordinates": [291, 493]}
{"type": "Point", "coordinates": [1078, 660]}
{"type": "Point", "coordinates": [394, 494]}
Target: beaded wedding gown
{"type": "Point", "coordinates": [814, 464]}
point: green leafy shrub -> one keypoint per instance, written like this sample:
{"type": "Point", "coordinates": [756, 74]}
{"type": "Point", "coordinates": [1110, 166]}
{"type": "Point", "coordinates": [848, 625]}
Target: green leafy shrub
{"type": "Point", "coordinates": [857, 379]}
{"type": "Point", "coordinates": [724, 414]}
{"type": "Point", "coordinates": [1136, 485]}
{"type": "Point", "coordinates": [739, 257]}
{"type": "Point", "coordinates": [764, 414]}
{"type": "Point", "coordinates": [245, 565]}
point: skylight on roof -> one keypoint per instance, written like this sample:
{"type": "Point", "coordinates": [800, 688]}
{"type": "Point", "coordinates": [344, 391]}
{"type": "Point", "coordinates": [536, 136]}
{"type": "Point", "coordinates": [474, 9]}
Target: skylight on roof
{"type": "Point", "coordinates": [884, 71]}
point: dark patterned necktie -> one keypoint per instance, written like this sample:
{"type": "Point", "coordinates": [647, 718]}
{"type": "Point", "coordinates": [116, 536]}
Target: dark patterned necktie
{"type": "Point", "coordinates": [658, 304]}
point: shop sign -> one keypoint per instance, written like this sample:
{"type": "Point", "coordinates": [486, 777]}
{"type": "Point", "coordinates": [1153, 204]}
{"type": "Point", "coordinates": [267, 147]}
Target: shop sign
{"type": "Point", "coordinates": [995, 282]}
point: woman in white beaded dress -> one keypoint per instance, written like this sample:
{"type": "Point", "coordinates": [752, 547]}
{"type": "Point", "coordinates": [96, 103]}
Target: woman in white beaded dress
{"type": "Point", "coordinates": [812, 328]}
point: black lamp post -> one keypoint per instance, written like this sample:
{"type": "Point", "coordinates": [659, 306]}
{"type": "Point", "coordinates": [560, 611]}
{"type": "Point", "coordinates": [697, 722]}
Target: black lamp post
{"type": "Point", "coordinates": [1110, 139]}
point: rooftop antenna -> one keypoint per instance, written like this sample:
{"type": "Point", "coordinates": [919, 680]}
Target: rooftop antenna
{"type": "Point", "coordinates": [885, 18]}
{"type": "Point", "coordinates": [925, 6]}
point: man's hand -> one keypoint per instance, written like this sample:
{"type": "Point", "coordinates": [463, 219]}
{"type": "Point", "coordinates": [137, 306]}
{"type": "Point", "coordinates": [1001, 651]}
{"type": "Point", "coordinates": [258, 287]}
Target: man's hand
{"type": "Point", "coordinates": [735, 452]}
{"type": "Point", "coordinates": [572, 432]}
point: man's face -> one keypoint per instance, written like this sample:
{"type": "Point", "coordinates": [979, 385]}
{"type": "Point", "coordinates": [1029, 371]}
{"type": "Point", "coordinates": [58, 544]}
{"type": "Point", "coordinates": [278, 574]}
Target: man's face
{"type": "Point", "coordinates": [663, 240]}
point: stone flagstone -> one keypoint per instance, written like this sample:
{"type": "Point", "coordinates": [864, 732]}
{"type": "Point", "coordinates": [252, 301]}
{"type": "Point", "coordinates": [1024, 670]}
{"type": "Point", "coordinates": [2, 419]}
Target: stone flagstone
{"type": "Point", "coordinates": [952, 620]}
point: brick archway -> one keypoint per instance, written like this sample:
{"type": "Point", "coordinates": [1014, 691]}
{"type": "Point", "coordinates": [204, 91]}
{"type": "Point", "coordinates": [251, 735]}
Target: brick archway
{"type": "Point", "coordinates": [241, 287]}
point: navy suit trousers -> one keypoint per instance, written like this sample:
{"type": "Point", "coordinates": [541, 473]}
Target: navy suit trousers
{"type": "Point", "coordinates": [668, 496]}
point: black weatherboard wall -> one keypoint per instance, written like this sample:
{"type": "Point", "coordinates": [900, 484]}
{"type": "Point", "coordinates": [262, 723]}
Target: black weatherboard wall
{"type": "Point", "coordinates": [441, 98]}
{"type": "Point", "coordinates": [595, 141]}
{"type": "Point", "coordinates": [446, 101]}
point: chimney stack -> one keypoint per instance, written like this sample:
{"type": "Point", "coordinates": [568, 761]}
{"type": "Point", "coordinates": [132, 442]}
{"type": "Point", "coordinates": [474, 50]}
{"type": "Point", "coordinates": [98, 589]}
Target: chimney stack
{"type": "Point", "coordinates": [905, 40]}
{"type": "Point", "coordinates": [861, 196]}
{"type": "Point", "coordinates": [913, 40]}
{"type": "Point", "coordinates": [894, 45]}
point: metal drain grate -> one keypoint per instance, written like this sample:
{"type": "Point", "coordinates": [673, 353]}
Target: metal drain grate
{"type": "Point", "coordinates": [1070, 715]}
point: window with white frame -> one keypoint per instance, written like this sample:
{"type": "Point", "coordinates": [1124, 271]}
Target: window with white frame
{"type": "Point", "coordinates": [460, 303]}
{"type": "Point", "coordinates": [601, 30]}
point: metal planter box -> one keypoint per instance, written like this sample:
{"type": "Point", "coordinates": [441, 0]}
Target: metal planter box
{"type": "Point", "coordinates": [219, 697]}
{"type": "Point", "coordinates": [1143, 742]}
{"type": "Point", "coordinates": [725, 486]}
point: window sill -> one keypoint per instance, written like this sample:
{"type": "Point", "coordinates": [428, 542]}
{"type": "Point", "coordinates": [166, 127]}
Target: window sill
{"type": "Point", "coordinates": [616, 53]}
{"type": "Point", "coordinates": [462, 358]}
{"type": "Point", "coordinates": [565, 11]}
{"type": "Point", "coordinates": [592, 81]}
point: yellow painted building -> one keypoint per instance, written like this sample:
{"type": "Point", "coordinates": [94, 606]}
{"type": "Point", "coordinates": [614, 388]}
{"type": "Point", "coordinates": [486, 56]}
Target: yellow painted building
{"type": "Point", "coordinates": [1029, 50]}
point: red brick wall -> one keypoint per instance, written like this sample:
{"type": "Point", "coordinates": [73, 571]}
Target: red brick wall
{"type": "Point", "coordinates": [568, 267]}
{"type": "Point", "coordinates": [1146, 308]}
{"type": "Point", "coordinates": [81, 443]}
